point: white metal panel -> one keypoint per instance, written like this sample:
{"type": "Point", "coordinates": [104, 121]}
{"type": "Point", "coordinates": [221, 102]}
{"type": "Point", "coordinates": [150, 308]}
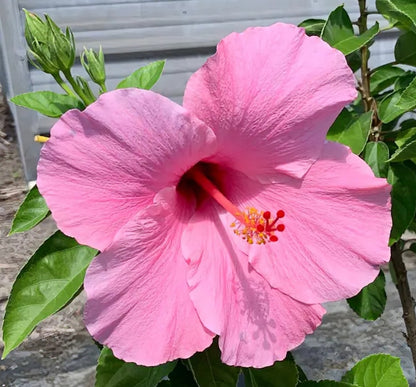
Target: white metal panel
{"type": "Point", "coordinates": [18, 81]}
{"type": "Point", "coordinates": [185, 32]}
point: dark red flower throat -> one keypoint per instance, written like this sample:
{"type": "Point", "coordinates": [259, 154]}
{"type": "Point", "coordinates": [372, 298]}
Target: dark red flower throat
{"type": "Point", "coordinates": [254, 226]}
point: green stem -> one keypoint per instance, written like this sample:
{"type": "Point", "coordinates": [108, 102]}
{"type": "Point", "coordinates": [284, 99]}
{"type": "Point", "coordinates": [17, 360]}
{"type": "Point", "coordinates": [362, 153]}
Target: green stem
{"type": "Point", "coordinates": [64, 86]}
{"type": "Point", "coordinates": [103, 88]}
{"type": "Point", "coordinates": [87, 101]}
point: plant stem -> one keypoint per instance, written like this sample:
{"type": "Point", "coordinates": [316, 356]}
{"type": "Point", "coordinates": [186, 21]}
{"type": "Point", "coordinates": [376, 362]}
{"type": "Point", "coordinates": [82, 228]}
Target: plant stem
{"type": "Point", "coordinates": [365, 75]}
{"type": "Point", "coordinates": [76, 88]}
{"type": "Point", "coordinates": [368, 100]}
{"type": "Point", "coordinates": [64, 86]}
{"type": "Point", "coordinates": [408, 303]}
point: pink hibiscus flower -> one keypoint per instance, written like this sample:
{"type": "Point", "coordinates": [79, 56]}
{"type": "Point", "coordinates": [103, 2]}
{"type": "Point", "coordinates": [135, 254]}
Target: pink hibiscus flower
{"type": "Point", "coordinates": [230, 216]}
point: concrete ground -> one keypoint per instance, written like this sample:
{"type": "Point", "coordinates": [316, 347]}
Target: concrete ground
{"type": "Point", "coordinates": [60, 352]}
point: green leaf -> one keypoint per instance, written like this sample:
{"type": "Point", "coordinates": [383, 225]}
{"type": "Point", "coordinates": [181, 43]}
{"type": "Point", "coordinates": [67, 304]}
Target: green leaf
{"type": "Point", "coordinates": [403, 198]}
{"type": "Point", "coordinates": [280, 374]}
{"type": "Point", "coordinates": [30, 213]}
{"type": "Point", "coordinates": [407, 98]}
{"type": "Point", "coordinates": [388, 109]}
{"type": "Point", "coordinates": [313, 27]}
{"type": "Point", "coordinates": [338, 26]}
{"type": "Point", "coordinates": [402, 10]}
{"type": "Point", "coordinates": [353, 43]}
{"type": "Point", "coordinates": [145, 77]}
{"type": "Point", "coordinates": [351, 130]}
{"type": "Point", "coordinates": [376, 155]}
{"type": "Point", "coordinates": [371, 301]}
{"type": "Point", "coordinates": [182, 376]}
{"type": "Point", "coordinates": [406, 152]}
{"type": "Point", "coordinates": [326, 383]}
{"type": "Point", "coordinates": [354, 61]}
{"type": "Point", "coordinates": [48, 103]}
{"type": "Point", "coordinates": [46, 283]}
{"type": "Point", "coordinates": [406, 130]}
{"type": "Point", "coordinates": [210, 371]}
{"type": "Point", "coordinates": [113, 372]}
{"type": "Point", "coordinates": [383, 77]}
{"type": "Point", "coordinates": [404, 81]}
{"type": "Point", "coordinates": [393, 273]}
{"type": "Point", "coordinates": [339, 33]}
{"type": "Point", "coordinates": [377, 370]}
{"type": "Point", "coordinates": [405, 49]}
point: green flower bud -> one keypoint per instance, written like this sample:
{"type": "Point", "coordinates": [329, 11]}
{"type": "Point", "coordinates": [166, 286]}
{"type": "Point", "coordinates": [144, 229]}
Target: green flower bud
{"type": "Point", "coordinates": [93, 64]}
{"type": "Point", "coordinates": [62, 45]}
{"type": "Point", "coordinates": [51, 50]}
{"type": "Point", "coordinates": [36, 34]}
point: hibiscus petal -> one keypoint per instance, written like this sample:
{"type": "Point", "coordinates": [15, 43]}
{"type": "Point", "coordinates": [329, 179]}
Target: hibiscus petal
{"type": "Point", "coordinates": [272, 93]}
{"type": "Point", "coordinates": [337, 227]}
{"type": "Point", "coordinates": [102, 165]}
{"type": "Point", "coordinates": [138, 300]}
{"type": "Point", "coordinates": [257, 324]}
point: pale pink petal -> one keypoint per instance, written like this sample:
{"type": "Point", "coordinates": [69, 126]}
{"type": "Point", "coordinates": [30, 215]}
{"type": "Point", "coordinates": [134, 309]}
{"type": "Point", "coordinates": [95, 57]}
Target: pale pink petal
{"type": "Point", "coordinates": [270, 94]}
{"type": "Point", "coordinates": [337, 227]}
{"type": "Point", "coordinates": [257, 324]}
{"type": "Point", "coordinates": [138, 300]}
{"type": "Point", "coordinates": [102, 165]}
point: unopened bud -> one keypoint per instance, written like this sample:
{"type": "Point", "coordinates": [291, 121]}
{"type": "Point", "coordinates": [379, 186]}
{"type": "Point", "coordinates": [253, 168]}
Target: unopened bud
{"type": "Point", "coordinates": [51, 49]}
{"type": "Point", "coordinates": [62, 45]}
{"type": "Point", "coordinates": [93, 63]}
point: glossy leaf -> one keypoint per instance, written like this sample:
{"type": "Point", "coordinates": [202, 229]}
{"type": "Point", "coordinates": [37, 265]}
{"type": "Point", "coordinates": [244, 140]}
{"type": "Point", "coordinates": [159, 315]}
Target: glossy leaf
{"type": "Point", "coordinates": [406, 151]}
{"type": "Point", "coordinates": [313, 27]}
{"type": "Point", "coordinates": [113, 372]}
{"type": "Point", "coordinates": [383, 77]}
{"type": "Point", "coordinates": [403, 11]}
{"type": "Point", "coordinates": [388, 109]}
{"type": "Point", "coordinates": [351, 130]}
{"type": "Point", "coordinates": [48, 103]}
{"type": "Point", "coordinates": [210, 371]}
{"type": "Point", "coordinates": [145, 77]}
{"type": "Point", "coordinates": [339, 33]}
{"type": "Point", "coordinates": [30, 213]}
{"type": "Point", "coordinates": [354, 61]}
{"type": "Point", "coordinates": [376, 155]}
{"type": "Point", "coordinates": [371, 301]}
{"type": "Point", "coordinates": [280, 374]}
{"type": "Point", "coordinates": [353, 43]}
{"type": "Point", "coordinates": [377, 370]}
{"type": "Point", "coordinates": [405, 48]}
{"type": "Point", "coordinates": [401, 136]}
{"type": "Point", "coordinates": [404, 81]}
{"type": "Point", "coordinates": [326, 383]}
{"type": "Point", "coordinates": [46, 283]}
{"type": "Point", "coordinates": [338, 26]}
{"type": "Point", "coordinates": [407, 99]}
{"type": "Point", "coordinates": [403, 198]}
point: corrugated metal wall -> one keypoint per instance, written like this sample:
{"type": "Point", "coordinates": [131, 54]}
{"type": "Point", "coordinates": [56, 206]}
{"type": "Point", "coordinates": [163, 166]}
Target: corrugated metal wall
{"type": "Point", "coordinates": [134, 32]}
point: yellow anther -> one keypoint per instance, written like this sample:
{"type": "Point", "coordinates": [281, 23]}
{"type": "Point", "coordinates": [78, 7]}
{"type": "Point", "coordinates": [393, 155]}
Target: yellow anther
{"type": "Point", "coordinates": [255, 226]}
